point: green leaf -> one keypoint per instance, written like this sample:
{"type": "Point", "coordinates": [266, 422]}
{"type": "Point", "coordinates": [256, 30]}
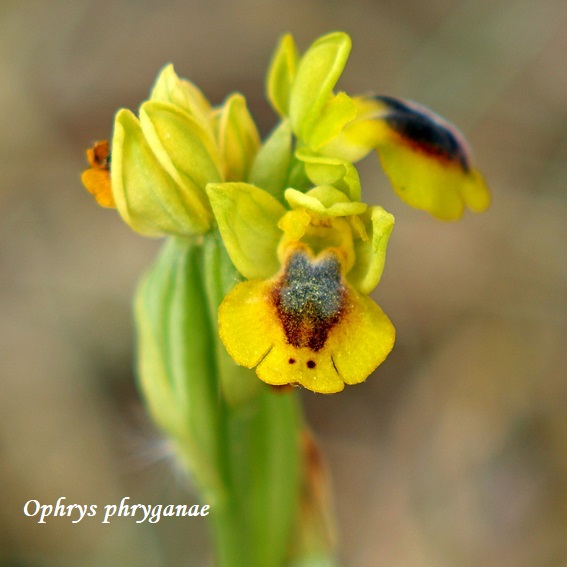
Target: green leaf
{"type": "Point", "coordinates": [238, 138]}
{"type": "Point", "coordinates": [371, 253]}
{"type": "Point", "coordinates": [318, 72]}
{"type": "Point", "coordinates": [247, 218]}
{"type": "Point", "coordinates": [281, 74]}
{"type": "Point", "coordinates": [271, 166]}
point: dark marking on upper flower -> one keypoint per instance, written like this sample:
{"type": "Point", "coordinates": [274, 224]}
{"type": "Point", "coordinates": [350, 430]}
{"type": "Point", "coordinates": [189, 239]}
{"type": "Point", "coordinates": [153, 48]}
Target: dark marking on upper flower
{"type": "Point", "coordinates": [425, 132]}
{"type": "Point", "coordinates": [309, 299]}
{"type": "Point", "coordinates": [311, 364]}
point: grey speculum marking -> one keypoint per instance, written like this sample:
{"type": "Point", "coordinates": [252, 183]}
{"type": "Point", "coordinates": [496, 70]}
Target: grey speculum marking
{"type": "Point", "coordinates": [309, 299]}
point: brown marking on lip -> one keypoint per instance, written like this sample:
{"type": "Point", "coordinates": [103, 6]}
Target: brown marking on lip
{"type": "Point", "coordinates": [309, 299]}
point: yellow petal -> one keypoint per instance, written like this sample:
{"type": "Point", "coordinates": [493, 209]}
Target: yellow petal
{"type": "Point", "coordinates": [427, 160]}
{"type": "Point", "coordinates": [325, 201]}
{"type": "Point", "coordinates": [371, 252]}
{"type": "Point", "coordinates": [423, 181]}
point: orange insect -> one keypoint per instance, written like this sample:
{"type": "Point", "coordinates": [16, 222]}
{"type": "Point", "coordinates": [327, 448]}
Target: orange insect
{"type": "Point", "coordinates": [96, 179]}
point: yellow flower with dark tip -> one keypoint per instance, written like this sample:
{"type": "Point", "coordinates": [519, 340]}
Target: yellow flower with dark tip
{"type": "Point", "coordinates": [425, 158]}
{"type": "Point", "coordinates": [304, 317]}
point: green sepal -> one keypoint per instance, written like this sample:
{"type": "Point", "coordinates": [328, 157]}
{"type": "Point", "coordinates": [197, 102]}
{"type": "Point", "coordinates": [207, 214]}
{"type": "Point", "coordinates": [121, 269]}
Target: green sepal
{"type": "Point", "coordinates": [183, 94]}
{"type": "Point", "coordinates": [319, 70]}
{"type": "Point", "coordinates": [238, 384]}
{"type": "Point", "coordinates": [323, 170]}
{"type": "Point", "coordinates": [238, 138]}
{"type": "Point", "coordinates": [147, 197]}
{"type": "Point", "coordinates": [176, 366]}
{"type": "Point", "coordinates": [271, 165]}
{"type": "Point", "coordinates": [247, 218]}
{"type": "Point", "coordinates": [325, 201]}
{"type": "Point", "coordinates": [281, 74]}
{"type": "Point", "coordinates": [371, 253]}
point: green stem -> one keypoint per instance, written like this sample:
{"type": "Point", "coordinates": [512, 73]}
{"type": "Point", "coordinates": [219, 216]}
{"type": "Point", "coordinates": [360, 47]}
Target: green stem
{"type": "Point", "coordinates": [237, 437]}
{"type": "Point", "coordinates": [260, 431]}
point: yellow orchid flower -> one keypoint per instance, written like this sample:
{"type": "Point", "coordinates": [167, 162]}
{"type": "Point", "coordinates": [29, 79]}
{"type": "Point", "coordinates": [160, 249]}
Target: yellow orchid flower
{"type": "Point", "coordinates": [425, 158]}
{"type": "Point", "coordinates": [268, 263]}
{"type": "Point", "coordinates": [304, 317]}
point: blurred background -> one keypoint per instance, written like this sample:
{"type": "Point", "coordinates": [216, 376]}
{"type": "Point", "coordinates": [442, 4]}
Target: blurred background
{"type": "Point", "coordinates": [455, 452]}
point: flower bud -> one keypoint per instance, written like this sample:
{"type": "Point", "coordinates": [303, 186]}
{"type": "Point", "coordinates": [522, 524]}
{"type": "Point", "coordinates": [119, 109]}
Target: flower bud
{"type": "Point", "coordinates": [318, 71]}
{"type": "Point", "coordinates": [238, 138]}
{"type": "Point", "coordinates": [281, 74]}
{"type": "Point", "coordinates": [160, 166]}
{"type": "Point", "coordinates": [183, 94]}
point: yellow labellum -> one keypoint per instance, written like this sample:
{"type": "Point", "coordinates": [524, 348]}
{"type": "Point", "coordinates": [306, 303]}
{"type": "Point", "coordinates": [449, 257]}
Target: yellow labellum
{"type": "Point", "coordinates": [305, 326]}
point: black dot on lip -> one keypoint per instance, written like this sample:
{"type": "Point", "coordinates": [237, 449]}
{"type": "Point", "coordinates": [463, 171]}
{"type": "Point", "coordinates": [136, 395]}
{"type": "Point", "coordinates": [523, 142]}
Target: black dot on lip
{"type": "Point", "coordinates": [291, 360]}
{"type": "Point", "coordinates": [310, 364]}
